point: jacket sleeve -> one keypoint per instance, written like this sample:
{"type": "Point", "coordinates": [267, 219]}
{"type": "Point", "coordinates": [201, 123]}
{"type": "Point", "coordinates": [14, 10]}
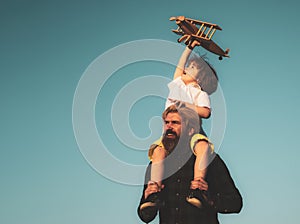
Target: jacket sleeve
{"type": "Point", "coordinates": [225, 195]}
{"type": "Point", "coordinates": [147, 214]}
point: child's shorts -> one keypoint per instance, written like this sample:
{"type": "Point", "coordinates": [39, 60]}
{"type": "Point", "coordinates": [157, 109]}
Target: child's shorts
{"type": "Point", "coordinates": [195, 139]}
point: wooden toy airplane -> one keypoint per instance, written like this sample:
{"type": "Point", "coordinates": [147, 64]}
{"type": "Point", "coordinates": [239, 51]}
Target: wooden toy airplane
{"type": "Point", "coordinates": [191, 30]}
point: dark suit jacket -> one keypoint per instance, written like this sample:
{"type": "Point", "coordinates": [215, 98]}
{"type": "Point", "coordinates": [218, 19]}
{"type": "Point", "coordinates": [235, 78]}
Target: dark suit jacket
{"type": "Point", "coordinates": [173, 208]}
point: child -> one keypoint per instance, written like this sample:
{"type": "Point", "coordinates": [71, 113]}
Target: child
{"type": "Point", "coordinates": [194, 80]}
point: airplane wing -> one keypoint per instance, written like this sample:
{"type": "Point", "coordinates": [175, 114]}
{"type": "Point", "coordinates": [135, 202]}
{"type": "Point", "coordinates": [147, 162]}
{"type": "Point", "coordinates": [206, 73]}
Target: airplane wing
{"type": "Point", "coordinates": [198, 22]}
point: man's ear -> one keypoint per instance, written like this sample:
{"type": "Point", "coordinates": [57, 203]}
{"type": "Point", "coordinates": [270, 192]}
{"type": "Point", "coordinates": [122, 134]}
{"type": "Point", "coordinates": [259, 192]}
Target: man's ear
{"type": "Point", "coordinates": [191, 132]}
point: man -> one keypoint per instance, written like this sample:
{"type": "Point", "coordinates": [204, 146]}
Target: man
{"type": "Point", "coordinates": [220, 194]}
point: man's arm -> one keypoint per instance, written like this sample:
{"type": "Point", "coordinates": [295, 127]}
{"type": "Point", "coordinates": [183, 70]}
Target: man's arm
{"type": "Point", "coordinates": [225, 196]}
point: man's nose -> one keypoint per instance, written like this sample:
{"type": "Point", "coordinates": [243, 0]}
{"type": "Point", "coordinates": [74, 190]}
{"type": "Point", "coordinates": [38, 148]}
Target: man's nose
{"type": "Point", "coordinates": [170, 126]}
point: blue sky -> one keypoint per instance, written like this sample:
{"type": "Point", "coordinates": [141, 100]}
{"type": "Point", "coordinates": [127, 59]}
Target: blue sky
{"type": "Point", "coordinates": [47, 47]}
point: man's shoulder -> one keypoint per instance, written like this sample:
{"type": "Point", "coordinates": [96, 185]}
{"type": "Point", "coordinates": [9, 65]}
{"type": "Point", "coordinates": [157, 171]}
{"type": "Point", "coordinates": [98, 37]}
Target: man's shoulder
{"type": "Point", "coordinates": [218, 165]}
{"type": "Point", "coordinates": [216, 160]}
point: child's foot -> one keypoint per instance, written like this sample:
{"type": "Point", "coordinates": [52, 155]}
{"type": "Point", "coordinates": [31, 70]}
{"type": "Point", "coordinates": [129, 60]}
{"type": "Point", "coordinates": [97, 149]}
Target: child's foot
{"type": "Point", "coordinates": [151, 202]}
{"type": "Point", "coordinates": [197, 198]}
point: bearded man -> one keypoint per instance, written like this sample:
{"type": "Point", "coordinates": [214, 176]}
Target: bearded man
{"type": "Point", "coordinates": [217, 193]}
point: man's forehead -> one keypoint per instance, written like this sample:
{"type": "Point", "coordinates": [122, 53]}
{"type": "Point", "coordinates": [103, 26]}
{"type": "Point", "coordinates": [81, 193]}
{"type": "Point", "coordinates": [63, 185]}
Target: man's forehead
{"type": "Point", "coordinates": [173, 116]}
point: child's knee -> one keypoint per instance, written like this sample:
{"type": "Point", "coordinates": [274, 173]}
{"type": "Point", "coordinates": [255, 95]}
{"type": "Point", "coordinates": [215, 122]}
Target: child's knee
{"type": "Point", "coordinates": [159, 154]}
{"type": "Point", "coordinates": [202, 148]}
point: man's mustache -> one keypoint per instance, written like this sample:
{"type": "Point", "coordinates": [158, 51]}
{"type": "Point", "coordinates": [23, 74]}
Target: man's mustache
{"type": "Point", "coordinates": [170, 132]}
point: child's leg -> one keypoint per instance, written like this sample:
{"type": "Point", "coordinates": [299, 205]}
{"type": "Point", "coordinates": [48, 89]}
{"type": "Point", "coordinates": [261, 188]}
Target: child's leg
{"type": "Point", "coordinates": [157, 169]}
{"type": "Point", "coordinates": [157, 154]}
{"type": "Point", "coordinates": [202, 152]}
{"type": "Point", "coordinates": [202, 157]}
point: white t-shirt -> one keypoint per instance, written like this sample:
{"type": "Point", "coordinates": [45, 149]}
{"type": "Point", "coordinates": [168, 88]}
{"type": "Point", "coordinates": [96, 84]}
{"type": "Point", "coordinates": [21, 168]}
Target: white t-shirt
{"type": "Point", "coordinates": [190, 93]}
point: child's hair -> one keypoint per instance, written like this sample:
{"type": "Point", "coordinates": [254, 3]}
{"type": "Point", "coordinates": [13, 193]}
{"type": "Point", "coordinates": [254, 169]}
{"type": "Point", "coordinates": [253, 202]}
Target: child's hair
{"type": "Point", "coordinates": [207, 77]}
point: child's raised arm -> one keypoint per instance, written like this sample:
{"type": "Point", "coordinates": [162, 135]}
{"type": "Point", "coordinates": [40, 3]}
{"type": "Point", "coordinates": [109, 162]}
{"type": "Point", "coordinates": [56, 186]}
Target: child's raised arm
{"type": "Point", "coordinates": [184, 58]}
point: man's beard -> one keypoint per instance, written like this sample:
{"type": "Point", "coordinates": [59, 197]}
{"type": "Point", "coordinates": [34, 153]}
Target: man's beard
{"type": "Point", "coordinates": [171, 143]}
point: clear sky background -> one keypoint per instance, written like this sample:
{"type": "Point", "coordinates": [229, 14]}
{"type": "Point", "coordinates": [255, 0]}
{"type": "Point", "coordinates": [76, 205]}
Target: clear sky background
{"type": "Point", "coordinates": [46, 48]}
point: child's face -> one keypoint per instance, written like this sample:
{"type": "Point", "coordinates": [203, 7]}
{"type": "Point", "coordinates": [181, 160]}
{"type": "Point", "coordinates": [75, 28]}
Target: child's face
{"type": "Point", "coordinates": [192, 70]}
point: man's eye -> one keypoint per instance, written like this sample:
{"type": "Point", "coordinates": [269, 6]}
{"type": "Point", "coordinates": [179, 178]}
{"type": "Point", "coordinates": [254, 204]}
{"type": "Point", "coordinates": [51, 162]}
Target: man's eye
{"type": "Point", "coordinates": [172, 122]}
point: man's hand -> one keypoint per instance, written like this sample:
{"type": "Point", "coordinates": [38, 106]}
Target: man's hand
{"type": "Point", "coordinates": [199, 184]}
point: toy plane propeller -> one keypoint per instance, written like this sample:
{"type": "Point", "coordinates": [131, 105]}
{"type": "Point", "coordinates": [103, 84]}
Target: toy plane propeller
{"type": "Point", "coordinates": [190, 30]}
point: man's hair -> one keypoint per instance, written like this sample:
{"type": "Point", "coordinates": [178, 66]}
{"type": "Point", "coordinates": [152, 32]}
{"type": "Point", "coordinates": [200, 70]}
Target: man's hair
{"type": "Point", "coordinates": [207, 80]}
{"type": "Point", "coordinates": [188, 116]}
